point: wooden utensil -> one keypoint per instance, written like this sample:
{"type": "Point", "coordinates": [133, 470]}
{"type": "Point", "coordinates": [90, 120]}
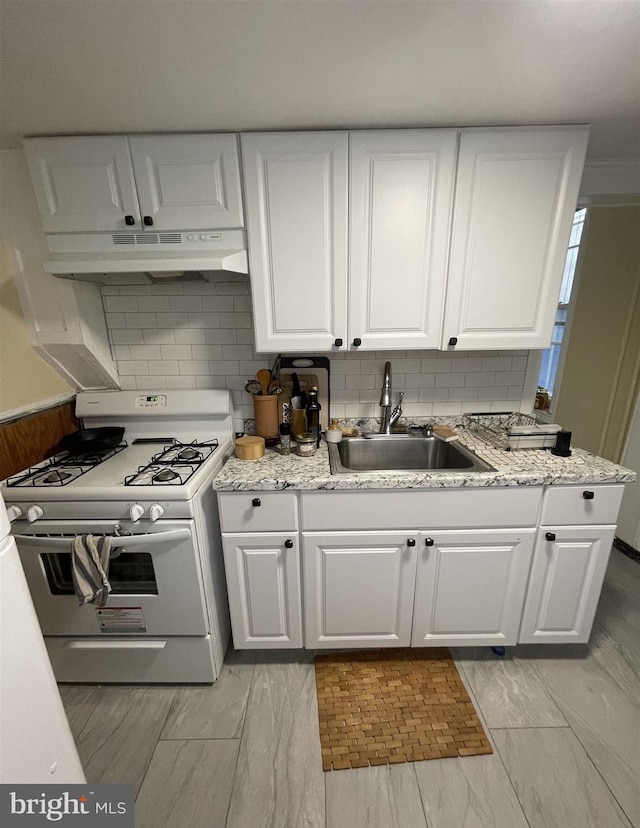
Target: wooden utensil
{"type": "Point", "coordinates": [264, 378]}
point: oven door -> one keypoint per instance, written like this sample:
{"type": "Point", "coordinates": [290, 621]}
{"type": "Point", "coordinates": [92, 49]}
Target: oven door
{"type": "Point", "coordinates": [155, 579]}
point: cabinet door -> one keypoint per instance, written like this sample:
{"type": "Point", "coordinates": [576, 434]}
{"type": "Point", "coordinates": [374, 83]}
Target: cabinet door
{"type": "Point", "coordinates": [568, 569]}
{"type": "Point", "coordinates": [401, 194]}
{"type": "Point", "coordinates": [358, 588]}
{"type": "Point", "coordinates": [470, 587]}
{"type": "Point", "coordinates": [82, 184]}
{"type": "Point", "coordinates": [296, 201]}
{"type": "Point", "coordinates": [516, 193]}
{"type": "Point", "coordinates": [263, 579]}
{"type": "Point", "coordinates": [188, 182]}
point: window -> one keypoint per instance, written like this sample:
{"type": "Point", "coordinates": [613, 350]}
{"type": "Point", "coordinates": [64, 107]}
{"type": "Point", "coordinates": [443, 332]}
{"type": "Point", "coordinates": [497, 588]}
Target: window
{"type": "Point", "coordinates": [551, 357]}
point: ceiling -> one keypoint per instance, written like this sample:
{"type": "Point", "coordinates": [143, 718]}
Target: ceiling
{"type": "Point", "coordinates": [86, 66]}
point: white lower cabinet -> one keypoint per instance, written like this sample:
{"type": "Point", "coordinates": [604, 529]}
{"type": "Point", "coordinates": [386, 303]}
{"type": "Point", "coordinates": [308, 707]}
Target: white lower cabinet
{"type": "Point", "coordinates": [263, 579]}
{"type": "Point", "coordinates": [470, 587]}
{"type": "Point", "coordinates": [568, 569]}
{"type": "Point", "coordinates": [486, 573]}
{"type": "Point", "coordinates": [358, 588]}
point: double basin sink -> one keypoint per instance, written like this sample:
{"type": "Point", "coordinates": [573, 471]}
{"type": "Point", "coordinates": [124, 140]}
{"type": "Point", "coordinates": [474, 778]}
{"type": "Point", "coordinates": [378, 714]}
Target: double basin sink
{"type": "Point", "coordinates": [402, 453]}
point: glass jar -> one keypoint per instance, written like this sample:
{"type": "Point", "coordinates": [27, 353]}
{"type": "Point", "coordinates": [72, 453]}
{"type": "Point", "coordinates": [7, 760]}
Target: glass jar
{"type": "Point", "coordinates": [307, 444]}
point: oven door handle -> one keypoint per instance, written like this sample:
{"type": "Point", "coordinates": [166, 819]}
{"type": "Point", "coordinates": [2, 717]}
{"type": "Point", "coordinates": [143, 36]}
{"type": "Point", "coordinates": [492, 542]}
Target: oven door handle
{"type": "Point", "coordinates": [126, 541]}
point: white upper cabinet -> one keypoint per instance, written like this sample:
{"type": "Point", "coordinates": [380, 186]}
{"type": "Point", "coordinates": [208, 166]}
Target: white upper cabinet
{"type": "Point", "coordinates": [83, 184]}
{"type": "Point", "coordinates": [296, 202]}
{"type": "Point", "coordinates": [188, 182]}
{"type": "Point", "coordinates": [515, 197]}
{"type": "Point", "coordinates": [439, 255]}
{"type": "Point", "coordinates": [400, 201]}
{"type": "Point", "coordinates": [156, 182]}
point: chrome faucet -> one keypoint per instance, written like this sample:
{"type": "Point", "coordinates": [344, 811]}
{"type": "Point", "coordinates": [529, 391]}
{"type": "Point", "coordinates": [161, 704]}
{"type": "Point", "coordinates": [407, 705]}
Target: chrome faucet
{"type": "Point", "coordinates": [389, 417]}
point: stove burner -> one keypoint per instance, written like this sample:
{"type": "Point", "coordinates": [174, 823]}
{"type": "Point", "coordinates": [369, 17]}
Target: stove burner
{"type": "Point", "coordinates": [188, 454]}
{"type": "Point", "coordinates": [165, 476]}
{"type": "Point", "coordinates": [56, 476]}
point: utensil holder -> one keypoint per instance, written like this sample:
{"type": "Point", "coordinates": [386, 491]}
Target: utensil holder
{"type": "Point", "coordinates": [265, 408]}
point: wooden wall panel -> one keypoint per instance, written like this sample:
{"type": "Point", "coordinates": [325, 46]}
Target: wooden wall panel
{"type": "Point", "coordinates": [33, 438]}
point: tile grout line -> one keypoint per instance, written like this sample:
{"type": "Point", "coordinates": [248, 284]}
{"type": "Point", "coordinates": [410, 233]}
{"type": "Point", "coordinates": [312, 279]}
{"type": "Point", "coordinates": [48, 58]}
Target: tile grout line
{"type": "Point", "coordinates": [498, 754]}
{"type": "Point", "coordinates": [244, 720]}
{"type": "Point", "coordinates": [590, 758]}
{"type": "Point", "coordinates": [164, 722]}
{"type": "Point", "coordinates": [424, 810]}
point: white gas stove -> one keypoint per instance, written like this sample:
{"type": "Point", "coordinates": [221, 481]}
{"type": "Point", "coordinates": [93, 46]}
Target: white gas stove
{"type": "Point", "coordinates": [166, 619]}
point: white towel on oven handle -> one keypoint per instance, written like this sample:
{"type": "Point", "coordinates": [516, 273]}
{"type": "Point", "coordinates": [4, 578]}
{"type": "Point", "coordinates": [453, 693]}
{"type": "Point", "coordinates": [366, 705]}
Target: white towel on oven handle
{"type": "Point", "coordinates": [90, 557]}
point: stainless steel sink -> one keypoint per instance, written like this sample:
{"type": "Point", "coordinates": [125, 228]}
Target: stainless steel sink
{"type": "Point", "coordinates": [359, 455]}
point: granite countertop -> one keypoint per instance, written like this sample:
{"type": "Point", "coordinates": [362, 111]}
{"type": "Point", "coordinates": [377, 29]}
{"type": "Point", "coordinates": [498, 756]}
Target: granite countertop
{"type": "Point", "coordinates": [529, 467]}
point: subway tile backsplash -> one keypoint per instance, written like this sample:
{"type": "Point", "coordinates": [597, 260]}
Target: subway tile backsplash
{"type": "Point", "coordinates": [200, 335]}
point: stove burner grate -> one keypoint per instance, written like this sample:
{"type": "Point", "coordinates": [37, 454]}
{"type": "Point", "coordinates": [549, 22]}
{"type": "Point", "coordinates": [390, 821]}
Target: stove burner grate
{"type": "Point", "coordinates": [178, 452]}
{"type": "Point", "coordinates": [158, 474]}
{"type": "Point", "coordinates": [61, 469]}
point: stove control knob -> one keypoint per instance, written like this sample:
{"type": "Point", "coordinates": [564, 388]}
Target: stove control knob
{"type": "Point", "coordinates": [34, 512]}
{"type": "Point", "coordinates": [156, 511]}
{"type": "Point", "coordinates": [14, 512]}
{"type": "Point", "coordinates": [136, 512]}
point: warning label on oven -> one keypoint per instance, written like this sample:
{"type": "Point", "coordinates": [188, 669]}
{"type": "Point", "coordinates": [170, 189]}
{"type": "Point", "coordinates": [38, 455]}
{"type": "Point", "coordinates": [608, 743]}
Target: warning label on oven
{"type": "Point", "coordinates": [121, 620]}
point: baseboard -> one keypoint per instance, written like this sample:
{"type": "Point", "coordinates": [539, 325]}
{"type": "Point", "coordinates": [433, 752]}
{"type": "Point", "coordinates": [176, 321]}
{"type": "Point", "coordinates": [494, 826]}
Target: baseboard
{"type": "Point", "coordinates": [627, 549]}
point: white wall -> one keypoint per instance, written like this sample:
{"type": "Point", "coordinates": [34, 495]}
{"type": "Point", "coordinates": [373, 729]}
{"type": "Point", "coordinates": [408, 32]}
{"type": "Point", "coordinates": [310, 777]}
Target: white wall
{"type": "Point", "coordinates": [201, 336]}
{"type": "Point", "coordinates": [629, 518]}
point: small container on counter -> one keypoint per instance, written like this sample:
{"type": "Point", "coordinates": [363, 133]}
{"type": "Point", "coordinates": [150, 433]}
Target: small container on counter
{"type": "Point", "coordinates": [334, 433]}
{"type": "Point", "coordinates": [307, 444]}
{"type": "Point", "coordinates": [285, 438]}
{"type": "Point", "coordinates": [249, 448]}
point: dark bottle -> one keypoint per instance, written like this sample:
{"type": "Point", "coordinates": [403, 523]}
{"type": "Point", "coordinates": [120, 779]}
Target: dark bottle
{"type": "Point", "coordinates": [313, 414]}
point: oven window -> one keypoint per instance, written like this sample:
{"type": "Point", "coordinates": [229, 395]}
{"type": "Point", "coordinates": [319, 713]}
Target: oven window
{"type": "Point", "coordinates": [131, 573]}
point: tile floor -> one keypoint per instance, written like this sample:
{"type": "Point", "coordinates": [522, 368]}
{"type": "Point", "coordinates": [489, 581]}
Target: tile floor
{"type": "Point", "coordinates": [564, 723]}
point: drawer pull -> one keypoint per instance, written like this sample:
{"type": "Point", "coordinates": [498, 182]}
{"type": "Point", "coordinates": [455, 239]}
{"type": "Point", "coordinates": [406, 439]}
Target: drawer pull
{"type": "Point", "coordinates": [256, 501]}
{"type": "Point", "coordinates": [411, 542]}
{"type": "Point", "coordinates": [550, 536]}
{"type": "Point", "coordinates": [588, 495]}
{"type": "Point", "coordinates": [288, 543]}
{"type": "Point", "coordinates": [428, 542]}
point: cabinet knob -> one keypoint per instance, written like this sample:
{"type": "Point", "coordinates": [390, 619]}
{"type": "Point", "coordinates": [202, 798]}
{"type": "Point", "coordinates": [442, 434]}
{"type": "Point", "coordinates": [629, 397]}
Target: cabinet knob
{"type": "Point", "coordinates": [129, 221]}
{"type": "Point", "coordinates": [453, 340]}
{"type": "Point", "coordinates": [256, 501]}
{"type": "Point", "coordinates": [550, 536]}
{"type": "Point", "coordinates": [338, 342]}
{"type": "Point", "coordinates": [148, 221]}
{"type": "Point", "coordinates": [289, 543]}
{"type": "Point", "coordinates": [411, 542]}
{"type": "Point", "coordinates": [588, 495]}
{"type": "Point", "coordinates": [428, 542]}
{"type": "Point", "coordinates": [357, 342]}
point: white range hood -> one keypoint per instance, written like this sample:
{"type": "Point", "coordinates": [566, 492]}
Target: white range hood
{"type": "Point", "coordinates": [145, 257]}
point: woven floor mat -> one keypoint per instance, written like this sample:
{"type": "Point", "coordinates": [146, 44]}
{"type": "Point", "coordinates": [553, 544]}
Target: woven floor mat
{"type": "Point", "coordinates": [386, 706]}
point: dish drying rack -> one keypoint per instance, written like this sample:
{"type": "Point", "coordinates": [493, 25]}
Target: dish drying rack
{"type": "Point", "coordinates": [493, 427]}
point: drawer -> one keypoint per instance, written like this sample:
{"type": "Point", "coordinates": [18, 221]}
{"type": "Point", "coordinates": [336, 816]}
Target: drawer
{"type": "Point", "coordinates": [569, 505]}
{"type": "Point", "coordinates": [421, 509]}
{"type": "Point", "coordinates": [258, 511]}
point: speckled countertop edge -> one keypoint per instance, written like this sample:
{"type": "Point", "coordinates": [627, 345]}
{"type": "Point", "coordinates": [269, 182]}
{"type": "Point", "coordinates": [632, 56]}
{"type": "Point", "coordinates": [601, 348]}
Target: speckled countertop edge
{"type": "Point", "coordinates": [275, 472]}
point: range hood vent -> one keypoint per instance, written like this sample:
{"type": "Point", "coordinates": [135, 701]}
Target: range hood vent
{"type": "Point", "coordinates": [143, 258]}
{"type": "Point", "coordinates": [147, 238]}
